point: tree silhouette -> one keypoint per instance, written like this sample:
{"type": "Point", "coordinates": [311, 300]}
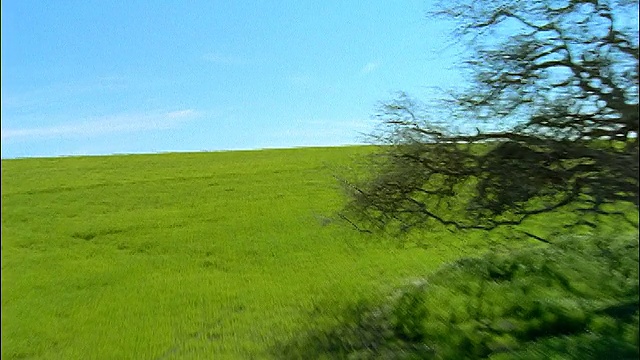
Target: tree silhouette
{"type": "Point", "coordinates": [561, 78]}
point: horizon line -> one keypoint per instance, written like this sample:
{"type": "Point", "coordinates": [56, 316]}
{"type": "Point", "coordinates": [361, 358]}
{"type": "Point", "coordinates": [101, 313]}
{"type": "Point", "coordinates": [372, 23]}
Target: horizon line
{"type": "Point", "coordinates": [168, 152]}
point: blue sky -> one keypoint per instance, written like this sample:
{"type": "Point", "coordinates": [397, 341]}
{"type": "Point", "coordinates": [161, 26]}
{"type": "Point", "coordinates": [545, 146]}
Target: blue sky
{"type": "Point", "coordinates": [105, 77]}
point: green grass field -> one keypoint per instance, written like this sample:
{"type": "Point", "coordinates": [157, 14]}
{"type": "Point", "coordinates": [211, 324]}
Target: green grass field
{"type": "Point", "coordinates": [186, 256]}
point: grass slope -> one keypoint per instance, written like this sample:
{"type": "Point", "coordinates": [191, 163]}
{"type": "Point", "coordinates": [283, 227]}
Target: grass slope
{"type": "Point", "coordinates": [576, 299]}
{"type": "Point", "coordinates": [184, 256]}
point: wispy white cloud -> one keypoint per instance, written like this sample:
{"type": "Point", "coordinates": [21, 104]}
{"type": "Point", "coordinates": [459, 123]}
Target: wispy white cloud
{"type": "Point", "coordinates": [223, 59]}
{"type": "Point", "coordinates": [323, 133]}
{"type": "Point", "coordinates": [105, 125]}
{"type": "Point", "coordinates": [369, 68]}
{"type": "Point", "coordinates": [54, 94]}
{"type": "Point", "coordinates": [340, 125]}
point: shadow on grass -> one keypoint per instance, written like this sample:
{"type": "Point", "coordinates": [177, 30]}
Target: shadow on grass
{"type": "Point", "coordinates": [575, 299]}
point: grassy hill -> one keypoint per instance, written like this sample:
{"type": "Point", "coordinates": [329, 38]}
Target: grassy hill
{"type": "Point", "coordinates": [192, 255]}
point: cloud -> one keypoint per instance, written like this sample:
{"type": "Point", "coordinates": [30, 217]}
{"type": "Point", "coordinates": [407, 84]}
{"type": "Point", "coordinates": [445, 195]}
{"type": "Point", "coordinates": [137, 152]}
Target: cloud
{"type": "Point", "coordinates": [54, 94]}
{"type": "Point", "coordinates": [105, 125]}
{"type": "Point", "coordinates": [180, 114]}
{"type": "Point", "coordinates": [221, 59]}
{"type": "Point", "coordinates": [369, 68]}
{"type": "Point", "coordinates": [323, 133]}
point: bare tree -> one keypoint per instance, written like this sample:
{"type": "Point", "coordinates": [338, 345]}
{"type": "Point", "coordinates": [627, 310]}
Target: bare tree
{"type": "Point", "coordinates": [561, 77]}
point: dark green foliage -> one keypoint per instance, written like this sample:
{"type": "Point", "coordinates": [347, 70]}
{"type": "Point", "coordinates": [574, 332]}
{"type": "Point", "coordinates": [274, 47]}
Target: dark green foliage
{"type": "Point", "coordinates": [572, 300]}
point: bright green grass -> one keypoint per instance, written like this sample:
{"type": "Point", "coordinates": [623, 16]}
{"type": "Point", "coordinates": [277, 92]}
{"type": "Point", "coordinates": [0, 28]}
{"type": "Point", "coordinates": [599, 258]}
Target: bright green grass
{"type": "Point", "coordinates": [185, 256]}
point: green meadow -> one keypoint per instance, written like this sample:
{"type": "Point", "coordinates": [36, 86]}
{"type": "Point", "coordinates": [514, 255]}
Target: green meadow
{"type": "Point", "coordinates": [189, 255]}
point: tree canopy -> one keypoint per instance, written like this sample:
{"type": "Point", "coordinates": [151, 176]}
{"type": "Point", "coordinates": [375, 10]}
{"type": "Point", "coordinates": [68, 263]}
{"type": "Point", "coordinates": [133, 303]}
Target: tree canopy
{"type": "Point", "coordinates": [561, 77]}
